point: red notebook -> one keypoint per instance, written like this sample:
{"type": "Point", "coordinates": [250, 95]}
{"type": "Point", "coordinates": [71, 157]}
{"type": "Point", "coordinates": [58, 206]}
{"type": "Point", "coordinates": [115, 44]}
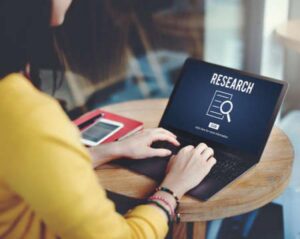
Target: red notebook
{"type": "Point", "coordinates": [130, 126]}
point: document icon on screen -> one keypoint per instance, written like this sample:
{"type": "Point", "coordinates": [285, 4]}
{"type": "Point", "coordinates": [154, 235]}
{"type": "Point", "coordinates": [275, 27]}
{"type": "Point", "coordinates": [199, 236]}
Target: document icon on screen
{"type": "Point", "coordinates": [220, 106]}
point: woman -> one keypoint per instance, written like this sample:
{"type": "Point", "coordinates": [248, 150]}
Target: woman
{"type": "Point", "coordinates": [47, 185]}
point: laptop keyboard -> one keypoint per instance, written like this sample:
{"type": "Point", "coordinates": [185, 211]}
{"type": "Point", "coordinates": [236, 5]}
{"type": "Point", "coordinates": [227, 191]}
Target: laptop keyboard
{"type": "Point", "coordinates": [227, 168]}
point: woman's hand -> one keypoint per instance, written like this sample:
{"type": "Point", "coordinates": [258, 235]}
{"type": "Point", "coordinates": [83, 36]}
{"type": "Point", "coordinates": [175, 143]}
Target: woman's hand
{"type": "Point", "coordinates": [188, 168]}
{"type": "Point", "coordinates": [138, 146]}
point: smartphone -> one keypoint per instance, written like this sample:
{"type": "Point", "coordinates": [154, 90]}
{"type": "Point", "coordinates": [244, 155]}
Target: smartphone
{"type": "Point", "coordinates": [100, 131]}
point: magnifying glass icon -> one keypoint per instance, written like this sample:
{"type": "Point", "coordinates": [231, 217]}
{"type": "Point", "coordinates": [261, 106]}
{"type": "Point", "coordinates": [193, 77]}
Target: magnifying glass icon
{"type": "Point", "coordinates": [226, 108]}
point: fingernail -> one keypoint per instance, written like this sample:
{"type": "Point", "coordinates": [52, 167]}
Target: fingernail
{"type": "Point", "coordinates": [169, 152]}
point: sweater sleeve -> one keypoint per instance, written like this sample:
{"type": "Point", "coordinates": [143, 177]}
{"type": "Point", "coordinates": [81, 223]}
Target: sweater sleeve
{"type": "Point", "coordinates": [52, 172]}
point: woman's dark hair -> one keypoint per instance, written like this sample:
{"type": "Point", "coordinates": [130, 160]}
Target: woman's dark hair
{"type": "Point", "coordinates": [25, 34]}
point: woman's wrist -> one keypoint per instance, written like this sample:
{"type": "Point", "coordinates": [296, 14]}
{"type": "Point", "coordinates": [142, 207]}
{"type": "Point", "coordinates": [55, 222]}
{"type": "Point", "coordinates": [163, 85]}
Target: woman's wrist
{"type": "Point", "coordinates": [170, 200]}
{"type": "Point", "coordinates": [105, 153]}
{"type": "Point", "coordinates": [167, 203]}
{"type": "Point", "coordinates": [178, 188]}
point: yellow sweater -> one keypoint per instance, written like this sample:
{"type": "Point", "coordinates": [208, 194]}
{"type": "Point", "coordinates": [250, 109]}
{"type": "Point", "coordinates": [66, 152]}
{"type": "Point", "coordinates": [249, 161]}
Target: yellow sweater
{"type": "Point", "coordinates": [47, 185]}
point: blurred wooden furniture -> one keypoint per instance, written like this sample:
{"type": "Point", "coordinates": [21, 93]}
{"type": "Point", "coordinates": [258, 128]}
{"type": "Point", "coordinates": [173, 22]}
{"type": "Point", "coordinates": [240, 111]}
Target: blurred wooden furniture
{"type": "Point", "coordinates": [183, 25]}
{"type": "Point", "coordinates": [186, 27]}
{"type": "Point", "coordinates": [289, 34]}
{"type": "Point", "coordinates": [256, 188]}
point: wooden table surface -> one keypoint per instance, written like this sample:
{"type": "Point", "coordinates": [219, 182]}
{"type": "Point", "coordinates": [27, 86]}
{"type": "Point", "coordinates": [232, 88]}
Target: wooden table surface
{"type": "Point", "coordinates": [256, 188]}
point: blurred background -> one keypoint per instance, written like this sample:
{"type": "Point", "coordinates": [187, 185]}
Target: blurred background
{"type": "Point", "coordinates": [120, 50]}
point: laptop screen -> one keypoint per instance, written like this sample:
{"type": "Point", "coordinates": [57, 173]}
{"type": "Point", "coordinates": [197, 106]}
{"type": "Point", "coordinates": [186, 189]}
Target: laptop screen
{"type": "Point", "coordinates": [223, 105]}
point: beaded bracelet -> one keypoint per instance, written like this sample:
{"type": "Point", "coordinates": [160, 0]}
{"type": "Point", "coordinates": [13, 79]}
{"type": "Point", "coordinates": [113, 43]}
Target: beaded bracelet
{"type": "Point", "coordinates": [164, 189]}
{"type": "Point", "coordinates": [162, 208]}
{"type": "Point", "coordinates": [163, 200]}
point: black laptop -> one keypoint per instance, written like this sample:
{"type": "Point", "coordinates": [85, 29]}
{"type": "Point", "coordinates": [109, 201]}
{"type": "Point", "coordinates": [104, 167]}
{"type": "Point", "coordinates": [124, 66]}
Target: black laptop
{"type": "Point", "coordinates": [231, 111]}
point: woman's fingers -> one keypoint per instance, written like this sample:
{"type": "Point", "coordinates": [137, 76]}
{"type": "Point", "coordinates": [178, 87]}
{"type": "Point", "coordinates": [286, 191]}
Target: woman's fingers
{"type": "Point", "coordinates": [165, 137]}
{"type": "Point", "coordinates": [186, 152]}
{"type": "Point", "coordinates": [211, 161]}
{"type": "Point", "coordinates": [164, 131]}
{"type": "Point", "coordinates": [200, 149]}
{"type": "Point", "coordinates": [158, 152]}
{"type": "Point", "coordinates": [207, 153]}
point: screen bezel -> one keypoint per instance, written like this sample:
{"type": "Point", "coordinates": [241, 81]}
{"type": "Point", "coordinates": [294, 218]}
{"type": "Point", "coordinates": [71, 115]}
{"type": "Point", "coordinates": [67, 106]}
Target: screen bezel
{"type": "Point", "coordinates": [256, 156]}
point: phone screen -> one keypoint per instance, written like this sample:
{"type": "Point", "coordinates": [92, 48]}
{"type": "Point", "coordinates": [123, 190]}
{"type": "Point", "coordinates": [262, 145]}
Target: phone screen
{"type": "Point", "coordinates": [98, 131]}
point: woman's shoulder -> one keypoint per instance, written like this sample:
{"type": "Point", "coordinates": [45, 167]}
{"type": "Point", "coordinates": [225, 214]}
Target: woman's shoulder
{"type": "Point", "coordinates": [25, 109]}
{"type": "Point", "coordinates": [18, 95]}
{"type": "Point", "coordinates": [16, 90]}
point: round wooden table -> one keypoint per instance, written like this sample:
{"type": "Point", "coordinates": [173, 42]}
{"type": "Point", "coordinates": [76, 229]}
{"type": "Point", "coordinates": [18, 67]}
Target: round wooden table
{"type": "Point", "coordinates": [257, 187]}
